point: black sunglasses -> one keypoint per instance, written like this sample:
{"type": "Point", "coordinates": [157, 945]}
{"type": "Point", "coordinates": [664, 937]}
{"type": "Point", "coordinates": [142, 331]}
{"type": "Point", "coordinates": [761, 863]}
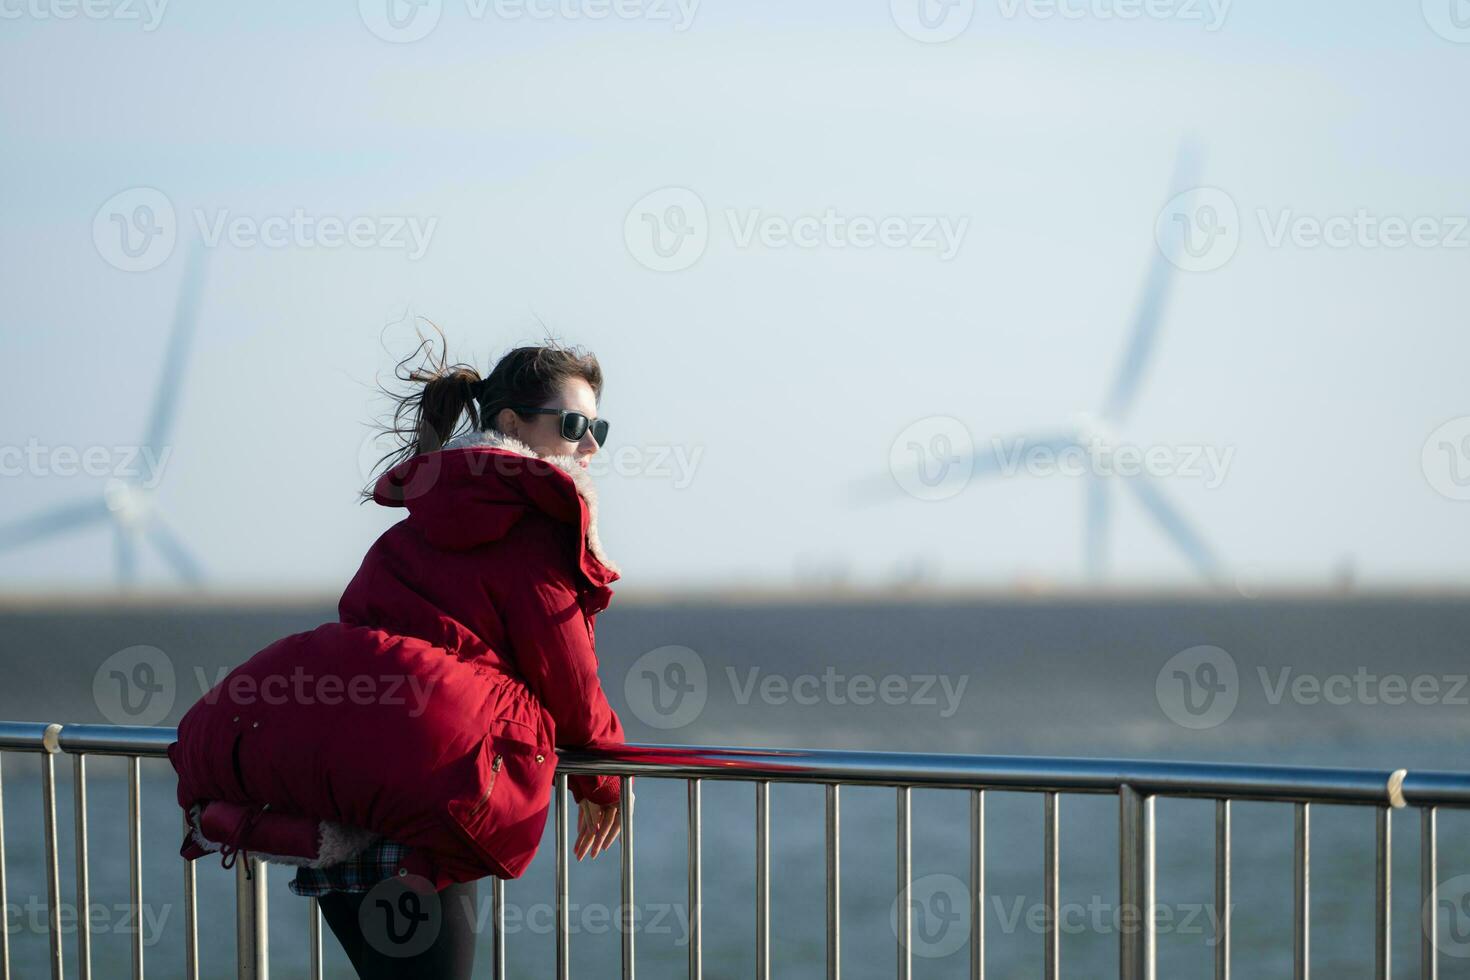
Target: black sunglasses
{"type": "Point", "coordinates": [573, 424]}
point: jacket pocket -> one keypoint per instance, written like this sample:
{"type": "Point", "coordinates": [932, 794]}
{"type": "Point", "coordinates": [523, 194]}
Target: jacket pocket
{"type": "Point", "coordinates": [491, 815]}
{"type": "Point", "coordinates": [474, 811]}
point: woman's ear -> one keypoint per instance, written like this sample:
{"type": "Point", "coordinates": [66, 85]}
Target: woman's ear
{"type": "Point", "coordinates": [508, 423]}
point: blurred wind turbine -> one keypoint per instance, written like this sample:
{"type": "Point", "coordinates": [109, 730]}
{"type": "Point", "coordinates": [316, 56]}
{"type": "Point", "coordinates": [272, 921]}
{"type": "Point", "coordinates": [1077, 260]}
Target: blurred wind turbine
{"type": "Point", "coordinates": [128, 502]}
{"type": "Point", "coordinates": [1088, 430]}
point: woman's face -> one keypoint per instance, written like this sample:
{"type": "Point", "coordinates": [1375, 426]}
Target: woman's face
{"type": "Point", "coordinates": [543, 432]}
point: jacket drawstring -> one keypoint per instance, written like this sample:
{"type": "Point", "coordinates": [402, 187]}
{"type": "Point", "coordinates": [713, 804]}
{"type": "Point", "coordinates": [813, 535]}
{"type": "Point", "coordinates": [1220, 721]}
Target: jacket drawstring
{"type": "Point", "coordinates": [230, 850]}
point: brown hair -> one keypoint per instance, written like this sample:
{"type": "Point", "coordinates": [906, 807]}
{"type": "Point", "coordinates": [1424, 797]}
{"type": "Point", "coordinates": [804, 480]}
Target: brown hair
{"type": "Point", "coordinates": [427, 417]}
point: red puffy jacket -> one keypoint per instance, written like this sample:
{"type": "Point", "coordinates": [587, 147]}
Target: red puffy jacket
{"type": "Point", "coordinates": [430, 712]}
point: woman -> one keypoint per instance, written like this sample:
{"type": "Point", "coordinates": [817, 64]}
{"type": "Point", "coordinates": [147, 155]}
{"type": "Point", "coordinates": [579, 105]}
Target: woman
{"type": "Point", "coordinates": [407, 750]}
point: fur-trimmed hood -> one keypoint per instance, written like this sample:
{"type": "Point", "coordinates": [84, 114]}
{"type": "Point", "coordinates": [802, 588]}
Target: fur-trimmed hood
{"type": "Point", "coordinates": [481, 483]}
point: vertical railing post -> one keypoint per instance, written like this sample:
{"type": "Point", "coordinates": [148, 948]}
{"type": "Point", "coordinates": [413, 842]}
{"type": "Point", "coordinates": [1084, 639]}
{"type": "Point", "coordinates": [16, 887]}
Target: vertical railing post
{"type": "Point", "coordinates": [50, 745]}
{"type": "Point", "coordinates": [84, 891]}
{"type": "Point", "coordinates": [1052, 885]}
{"type": "Point", "coordinates": [1383, 894]}
{"type": "Point", "coordinates": [1136, 884]}
{"type": "Point", "coordinates": [905, 862]}
{"type": "Point", "coordinates": [314, 938]}
{"type": "Point", "coordinates": [977, 884]}
{"type": "Point", "coordinates": [497, 927]}
{"type": "Point", "coordinates": [191, 916]}
{"type": "Point", "coordinates": [629, 914]}
{"type": "Point", "coordinates": [834, 882]}
{"type": "Point", "coordinates": [4, 891]}
{"type": "Point", "coordinates": [135, 859]}
{"type": "Point", "coordinates": [1222, 890]}
{"type": "Point", "coordinates": [252, 942]}
{"type": "Point", "coordinates": [763, 880]}
{"type": "Point", "coordinates": [1301, 892]}
{"type": "Point", "coordinates": [1429, 893]}
{"type": "Point", "coordinates": [696, 882]}
{"type": "Point", "coordinates": [563, 880]}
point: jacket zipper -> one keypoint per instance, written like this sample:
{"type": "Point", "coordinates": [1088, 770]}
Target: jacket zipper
{"type": "Point", "coordinates": [485, 797]}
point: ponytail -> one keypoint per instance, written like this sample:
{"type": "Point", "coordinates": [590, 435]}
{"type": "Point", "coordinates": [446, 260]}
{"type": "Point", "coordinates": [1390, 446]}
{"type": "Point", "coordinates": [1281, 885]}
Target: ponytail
{"type": "Point", "coordinates": [427, 417]}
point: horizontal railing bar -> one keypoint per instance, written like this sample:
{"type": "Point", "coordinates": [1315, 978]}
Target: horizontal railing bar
{"type": "Point", "coordinates": [1428, 788]}
{"type": "Point", "coordinates": [117, 740]}
{"type": "Point", "coordinates": [1305, 784]}
{"type": "Point", "coordinates": [1209, 780]}
{"type": "Point", "coordinates": [22, 736]}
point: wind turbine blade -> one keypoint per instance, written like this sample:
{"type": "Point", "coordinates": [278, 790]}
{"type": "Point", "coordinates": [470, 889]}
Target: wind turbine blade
{"type": "Point", "coordinates": [186, 317]}
{"type": "Point", "coordinates": [174, 552]}
{"type": "Point", "coordinates": [1096, 530]}
{"type": "Point", "coordinates": [1185, 538]}
{"type": "Point", "coordinates": [125, 555]}
{"type": "Point", "coordinates": [1150, 311]}
{"type": "Point", "coordinates": [1000, 456]}
{"type": "Point", "coordinates": [54, 521]}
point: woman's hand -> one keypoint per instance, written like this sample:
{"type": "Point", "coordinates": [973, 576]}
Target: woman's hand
{"type": "Point", "coordinates": [597, 828]}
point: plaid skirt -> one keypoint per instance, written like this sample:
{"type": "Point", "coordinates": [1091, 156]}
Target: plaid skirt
{"type": "Point", "coordinates": [357, 874]}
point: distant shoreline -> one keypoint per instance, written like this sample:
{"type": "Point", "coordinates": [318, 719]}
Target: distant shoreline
{"type": "Point", "coordinates": [143, 599]}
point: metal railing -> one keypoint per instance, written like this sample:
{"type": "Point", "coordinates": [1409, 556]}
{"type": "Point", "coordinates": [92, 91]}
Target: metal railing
{"type": "Point", "coordinates": [1135, 784]}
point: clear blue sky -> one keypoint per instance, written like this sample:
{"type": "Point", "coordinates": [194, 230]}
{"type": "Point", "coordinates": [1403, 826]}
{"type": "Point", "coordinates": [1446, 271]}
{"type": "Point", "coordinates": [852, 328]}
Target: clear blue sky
{"type": "Point", "coordinates": [786, 373]}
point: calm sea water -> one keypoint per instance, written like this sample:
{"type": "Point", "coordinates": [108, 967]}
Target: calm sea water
{"type": "Point", "coordinates": [1313, 683]}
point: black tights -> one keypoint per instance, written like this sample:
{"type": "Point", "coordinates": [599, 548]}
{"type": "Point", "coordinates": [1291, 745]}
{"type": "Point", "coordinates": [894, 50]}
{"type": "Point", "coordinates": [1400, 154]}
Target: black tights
{"type": "Point", "coordinates": [392, 932]}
